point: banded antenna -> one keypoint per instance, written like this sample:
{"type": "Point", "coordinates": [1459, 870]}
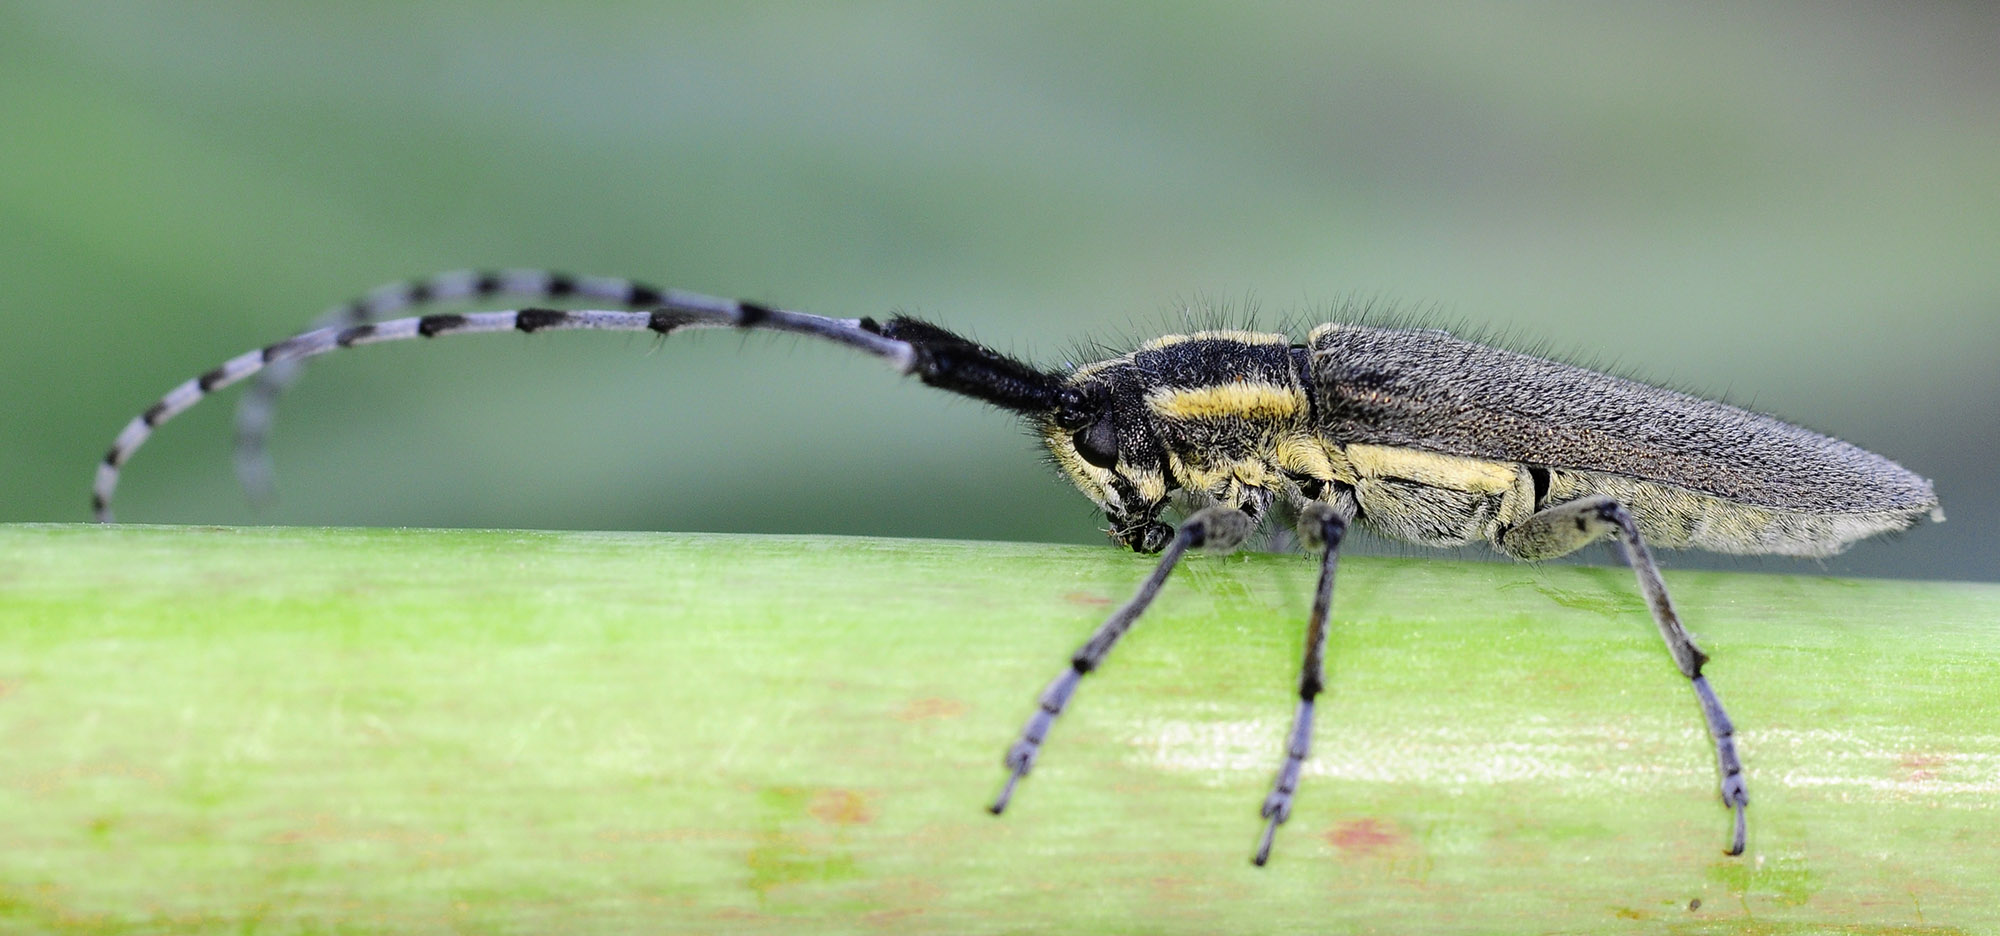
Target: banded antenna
{"type": "Point", "coordinates": [937, 357]}
{"type": "Point", "coordinates": [259, 404]}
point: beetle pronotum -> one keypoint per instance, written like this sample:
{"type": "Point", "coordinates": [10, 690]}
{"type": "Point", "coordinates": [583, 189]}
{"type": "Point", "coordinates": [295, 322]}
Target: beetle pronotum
{"type": "Point", "coordinates": [1413, 434]}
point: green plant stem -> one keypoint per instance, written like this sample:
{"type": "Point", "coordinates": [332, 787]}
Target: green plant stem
{"type": "Point", "coordinates": [223, 729]}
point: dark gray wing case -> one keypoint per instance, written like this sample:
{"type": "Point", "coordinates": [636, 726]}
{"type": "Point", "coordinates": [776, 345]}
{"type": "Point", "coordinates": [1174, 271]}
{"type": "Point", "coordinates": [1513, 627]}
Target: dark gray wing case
{"type": "Point", "coordinates": [1430, 391]}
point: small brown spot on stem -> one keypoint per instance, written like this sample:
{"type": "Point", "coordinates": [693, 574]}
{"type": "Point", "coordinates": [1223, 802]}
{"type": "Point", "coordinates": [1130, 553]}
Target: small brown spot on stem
{"type": "Point", "coordinates": [1362, 837]}
{"type": "Point", "coordinates": [926, 709]}
{"type": "Point", "coordinates": [1919, 767]}
{"type": "Point", "coordinates": [840, 807]}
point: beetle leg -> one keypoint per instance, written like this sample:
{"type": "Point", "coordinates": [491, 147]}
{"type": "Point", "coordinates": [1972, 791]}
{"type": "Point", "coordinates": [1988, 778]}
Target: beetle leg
{"type": "Point", "coordinates": [1321, 526]}
{"type": "Point", "coordinates": [1565, 528]}
{"type": "Point", "coordinates": [1217, 528]}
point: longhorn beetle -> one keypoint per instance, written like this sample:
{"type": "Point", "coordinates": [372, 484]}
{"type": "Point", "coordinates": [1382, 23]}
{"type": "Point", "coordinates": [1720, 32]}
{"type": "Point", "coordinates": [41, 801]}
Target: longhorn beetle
{"type": "Point", "coordinates": [1414, 434]}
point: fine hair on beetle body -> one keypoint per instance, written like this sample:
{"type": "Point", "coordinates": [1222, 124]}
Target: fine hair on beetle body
{"type": "Point", "coordinates": [1412, 433]}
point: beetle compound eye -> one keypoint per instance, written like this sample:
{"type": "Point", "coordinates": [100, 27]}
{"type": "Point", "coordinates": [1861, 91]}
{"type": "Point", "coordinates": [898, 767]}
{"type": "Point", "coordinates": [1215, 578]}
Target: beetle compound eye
{"type": "Point", "coordinates": [1098, 444]}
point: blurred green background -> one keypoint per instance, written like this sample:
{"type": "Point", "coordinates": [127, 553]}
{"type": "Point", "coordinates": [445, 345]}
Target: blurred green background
{"type": "Point", "coordinates": [1796, 205]}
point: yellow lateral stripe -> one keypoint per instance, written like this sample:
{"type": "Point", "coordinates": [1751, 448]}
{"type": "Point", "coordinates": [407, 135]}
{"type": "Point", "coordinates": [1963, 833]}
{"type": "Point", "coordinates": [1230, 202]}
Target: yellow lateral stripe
{"type": "Point", "coordinates": [1303, 453]}
{"type": "Point", "coordinates": [1452, 472]}
{"type": "Point", "coordinates": [1240, 337]}
{"type": "Point", "coordinates": [1253, 400]}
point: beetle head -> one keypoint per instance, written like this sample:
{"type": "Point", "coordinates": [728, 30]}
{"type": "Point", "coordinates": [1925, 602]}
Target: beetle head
{"type": "Point", "coordinates": [1104, 440]}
